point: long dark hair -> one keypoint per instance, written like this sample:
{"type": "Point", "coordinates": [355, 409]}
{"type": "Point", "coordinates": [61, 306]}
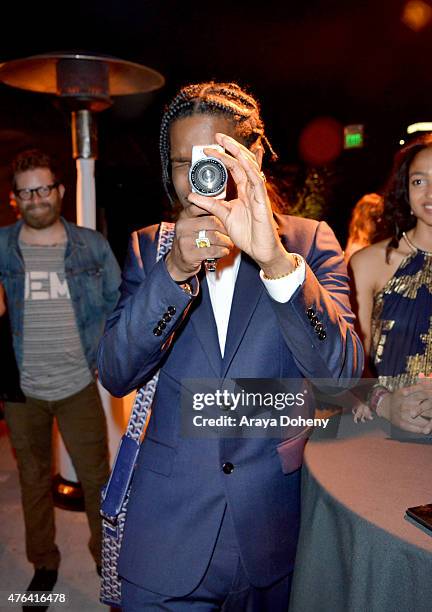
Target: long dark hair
{"type": "Point", "coordinates": [397, 210]}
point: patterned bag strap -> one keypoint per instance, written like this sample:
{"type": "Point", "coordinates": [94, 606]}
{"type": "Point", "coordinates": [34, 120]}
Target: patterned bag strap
{"type": "Point", "coordinates": [145, 394]}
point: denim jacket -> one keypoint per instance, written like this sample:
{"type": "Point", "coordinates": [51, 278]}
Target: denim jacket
{"type": "Point", "coordinates": [92, 273]}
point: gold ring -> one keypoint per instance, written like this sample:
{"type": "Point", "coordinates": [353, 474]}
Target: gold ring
{"type": "Point", "coordinates": [263, 176]}
{"type": "Point", "coordinates": [202, 241]}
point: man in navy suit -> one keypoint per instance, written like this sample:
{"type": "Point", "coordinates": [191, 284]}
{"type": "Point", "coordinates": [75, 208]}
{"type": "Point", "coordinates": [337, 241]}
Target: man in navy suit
{"type": "Point", "coordinates": [212, 523]}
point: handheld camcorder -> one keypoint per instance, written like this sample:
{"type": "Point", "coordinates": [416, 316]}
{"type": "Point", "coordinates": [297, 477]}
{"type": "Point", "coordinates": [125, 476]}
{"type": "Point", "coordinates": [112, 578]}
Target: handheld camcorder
{"type": "Point", "coordinates": [208, 176]}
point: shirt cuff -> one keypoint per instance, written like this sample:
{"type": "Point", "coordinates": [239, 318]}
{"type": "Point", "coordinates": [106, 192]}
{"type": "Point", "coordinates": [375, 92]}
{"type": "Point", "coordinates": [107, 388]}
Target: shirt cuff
{"type": "Point", "coordinates": [282, 289]}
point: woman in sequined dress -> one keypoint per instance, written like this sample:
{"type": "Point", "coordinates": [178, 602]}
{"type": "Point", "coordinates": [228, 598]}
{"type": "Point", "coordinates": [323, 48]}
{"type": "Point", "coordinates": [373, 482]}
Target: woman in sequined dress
{"type": "Point", "coordinates": [393, 281]}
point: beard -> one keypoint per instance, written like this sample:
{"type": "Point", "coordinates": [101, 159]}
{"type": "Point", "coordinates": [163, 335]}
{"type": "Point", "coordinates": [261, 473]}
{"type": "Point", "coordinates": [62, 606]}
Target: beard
{"type": "Point", "coordinates": [41, 215]}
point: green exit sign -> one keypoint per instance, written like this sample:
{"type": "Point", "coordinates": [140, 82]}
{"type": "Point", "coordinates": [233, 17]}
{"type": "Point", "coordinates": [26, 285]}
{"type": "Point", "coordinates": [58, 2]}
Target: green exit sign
{"type": "Point", "coordinates": [353, 136]}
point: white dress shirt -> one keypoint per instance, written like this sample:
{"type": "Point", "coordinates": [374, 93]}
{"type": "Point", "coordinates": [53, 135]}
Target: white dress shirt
{"type": "Point", "coordinates": [221, 288]}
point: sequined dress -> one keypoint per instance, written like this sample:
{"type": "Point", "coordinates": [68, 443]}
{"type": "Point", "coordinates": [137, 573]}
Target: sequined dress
{"type": "Point", "coordinates": [402, 322]}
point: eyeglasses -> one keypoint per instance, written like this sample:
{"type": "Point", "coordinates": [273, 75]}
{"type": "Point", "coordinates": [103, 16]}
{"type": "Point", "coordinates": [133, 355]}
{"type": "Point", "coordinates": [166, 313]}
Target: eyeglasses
{"type": "Point", "coordinates": [43, 192]}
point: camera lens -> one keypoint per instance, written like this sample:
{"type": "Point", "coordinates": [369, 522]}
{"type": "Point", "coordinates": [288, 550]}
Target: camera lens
{"type": "Point", "coordinates": [208, 176]}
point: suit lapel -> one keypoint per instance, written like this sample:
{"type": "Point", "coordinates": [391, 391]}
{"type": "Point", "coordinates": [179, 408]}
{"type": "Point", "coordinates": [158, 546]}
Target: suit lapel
{"type": "Point", "coordinates": [247, 292]}
{"type": "Point", "coordinates": [204, 323]}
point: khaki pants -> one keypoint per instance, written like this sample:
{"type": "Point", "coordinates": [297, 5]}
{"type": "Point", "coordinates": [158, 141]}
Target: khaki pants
{"type": "Point", "coordinates": [81, 421]}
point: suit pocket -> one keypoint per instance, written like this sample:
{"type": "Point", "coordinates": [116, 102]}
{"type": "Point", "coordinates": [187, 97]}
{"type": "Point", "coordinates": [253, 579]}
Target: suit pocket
{"type": "Point", "coordinates": [291, 451]}
{"type": "Point", "coordinates": [157, 457]}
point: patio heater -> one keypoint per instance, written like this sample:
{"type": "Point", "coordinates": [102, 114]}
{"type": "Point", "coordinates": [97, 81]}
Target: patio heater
{"type": "Point", "coordinates": [84, 84]}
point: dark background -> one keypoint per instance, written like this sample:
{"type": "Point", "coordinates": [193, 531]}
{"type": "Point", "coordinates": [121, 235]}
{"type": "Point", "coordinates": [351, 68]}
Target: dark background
{"type": "Point", "coordinates": [357, 62]}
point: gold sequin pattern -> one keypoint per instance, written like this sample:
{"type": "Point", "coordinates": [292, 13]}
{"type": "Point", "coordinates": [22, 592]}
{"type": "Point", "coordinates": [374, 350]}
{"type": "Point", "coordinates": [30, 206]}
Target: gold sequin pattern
{"type": "Point", "coordinates": [406, 286]}
{"type": "Point", "coordinates": [379, 328]}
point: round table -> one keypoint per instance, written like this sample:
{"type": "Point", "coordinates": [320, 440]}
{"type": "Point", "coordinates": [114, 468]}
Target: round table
{"type": "Point", "coordinates": [357, 552]}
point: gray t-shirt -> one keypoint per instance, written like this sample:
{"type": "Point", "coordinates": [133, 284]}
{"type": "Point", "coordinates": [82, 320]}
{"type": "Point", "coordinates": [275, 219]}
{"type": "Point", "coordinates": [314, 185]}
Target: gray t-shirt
{"type": "Point", "coordinates": [54, 365]}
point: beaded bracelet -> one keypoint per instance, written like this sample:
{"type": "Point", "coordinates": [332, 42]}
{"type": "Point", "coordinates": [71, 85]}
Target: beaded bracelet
{"type": "Point", "coordinates": [298, 261]}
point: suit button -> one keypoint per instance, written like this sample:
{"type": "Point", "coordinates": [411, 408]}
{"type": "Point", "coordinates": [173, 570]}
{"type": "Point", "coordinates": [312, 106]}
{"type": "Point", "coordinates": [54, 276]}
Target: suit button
{"type": "Point", "coordinates": [157, 331]}
{"type": "Point", "coordinates": [166, 317]}
{"type": "Point", "coordinates": [310, 313]}
{"type": "Point", "coordinates": [322, 335]}
{"type": "Point", "coordinates": [161, 324]}
{"type": "Point", "coordinates": [171, 310]}
{"type": "Point", "coordinates": [228, 468]}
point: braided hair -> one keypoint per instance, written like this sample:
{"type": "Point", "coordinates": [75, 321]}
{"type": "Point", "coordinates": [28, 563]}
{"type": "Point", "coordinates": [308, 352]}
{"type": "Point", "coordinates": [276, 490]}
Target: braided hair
{"type": "Point", "coordinates": [397, 210]}
{"type": "Point", "coordinates": [224, 99]}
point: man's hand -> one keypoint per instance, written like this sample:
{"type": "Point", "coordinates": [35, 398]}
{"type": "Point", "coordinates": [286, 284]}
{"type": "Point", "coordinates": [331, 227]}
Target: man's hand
{"type": "Point", "coordinates": [409, 408]}
{"type": "Point", "coordinates": [248, 219]}
{"type": "Point", "coordinates": [185, 258]}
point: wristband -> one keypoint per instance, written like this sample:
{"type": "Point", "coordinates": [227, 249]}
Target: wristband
{"type": "Point", "coordinates": [376, 396]}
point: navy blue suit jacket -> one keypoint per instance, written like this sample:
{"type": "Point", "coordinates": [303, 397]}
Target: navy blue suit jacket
{"type": "Point", "coordinates": [179, 491]}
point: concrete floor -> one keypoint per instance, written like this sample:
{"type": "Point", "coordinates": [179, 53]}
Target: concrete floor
{"type": "Point", "coordinates": [77, 574]}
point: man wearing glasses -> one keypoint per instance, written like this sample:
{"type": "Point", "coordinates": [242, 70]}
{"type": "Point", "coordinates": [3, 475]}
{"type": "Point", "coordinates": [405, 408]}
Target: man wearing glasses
{"type": "Point", "coordinates": [61, 282]}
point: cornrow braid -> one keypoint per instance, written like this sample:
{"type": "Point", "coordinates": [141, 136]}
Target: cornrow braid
{"type": "Point", "coordinates": [226, 99]}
